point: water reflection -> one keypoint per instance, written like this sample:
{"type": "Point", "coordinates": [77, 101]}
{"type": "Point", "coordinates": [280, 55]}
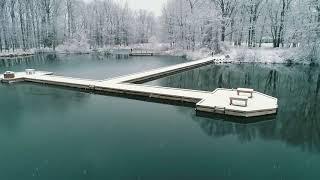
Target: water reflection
{"type": "Point", "coordinates": [297, 89]}
{"type": "Point", "coordinates": [17, 100]}
{"type": "Point", "coordinates": [235, 119]}
{"type": "Point", "coordinates": [89, 66]}
{"type": "Point", "coordinates": [318, 85]}
{"type": "Point", "coordinates": [20, 63]}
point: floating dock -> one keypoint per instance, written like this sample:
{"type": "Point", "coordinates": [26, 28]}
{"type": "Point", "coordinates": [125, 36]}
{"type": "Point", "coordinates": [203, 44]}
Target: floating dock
{"type": "Point", "coordinates": [141, 54]}
{"type": "Point", "coordinates": [21, 76]}
{"type": "Point", "coordinates": [161, 72]}
{"type": "Point", "coordinates": [217, 101]}
{"type": "Point", "coordinates": [136, 52]}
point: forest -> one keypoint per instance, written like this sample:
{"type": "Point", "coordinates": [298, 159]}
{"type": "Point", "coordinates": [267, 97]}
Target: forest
{"type": "Point", "coordinates": [184, 24]}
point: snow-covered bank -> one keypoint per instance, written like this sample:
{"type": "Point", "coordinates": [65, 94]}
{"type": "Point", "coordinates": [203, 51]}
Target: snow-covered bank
{"type": "Point", "coordinates": [74, 46]}
{"type": "Point", "coordinates": [262, 55]}
{"type": "Point", "coordinates": [164, 49]}
{"type": "Point", "coordinates": [188, 54]}
{"type": "Point", "coordinates": [22, 53]}
{"type": "Point", "coordinates": [265, 54]}
{"type": "Point", "coordinates": [17, 53]}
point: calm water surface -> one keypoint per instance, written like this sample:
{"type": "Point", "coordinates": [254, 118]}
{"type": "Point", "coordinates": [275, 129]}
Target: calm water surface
{"type": "Point", "coordinates": [53, 133]}
{"type": "Point", "coordinates": [88, 66]}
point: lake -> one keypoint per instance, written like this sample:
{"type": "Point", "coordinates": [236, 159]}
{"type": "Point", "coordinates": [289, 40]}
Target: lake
{"type": "Point", "coordinates": [48, 132]}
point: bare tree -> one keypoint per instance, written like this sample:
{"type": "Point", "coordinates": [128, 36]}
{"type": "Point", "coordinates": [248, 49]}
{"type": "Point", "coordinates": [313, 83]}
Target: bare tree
{"type": "Point", "coordinates": [227, 8]}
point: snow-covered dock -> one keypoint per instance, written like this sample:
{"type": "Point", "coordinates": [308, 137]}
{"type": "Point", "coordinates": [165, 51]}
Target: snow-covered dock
{"type": "Point", "coordinates": [22, 76]}
{"type": "Point", "coordinates": [212, 102]}
{"type": "Point", "coordinates": [219, 102]}
{"type": "Point", "coordinates": [140, 52]}
{"type": "Point", "coordinates": [156, 73]}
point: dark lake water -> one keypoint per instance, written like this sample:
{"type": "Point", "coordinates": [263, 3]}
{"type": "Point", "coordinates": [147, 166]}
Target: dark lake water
{"type": "Point", "coordinates": [53, 133]}
{"type": "Point", "coordinates": [88, 66]}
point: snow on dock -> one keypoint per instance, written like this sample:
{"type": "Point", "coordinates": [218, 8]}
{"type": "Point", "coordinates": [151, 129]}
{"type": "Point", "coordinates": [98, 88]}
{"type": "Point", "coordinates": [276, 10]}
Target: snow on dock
{"type": "Point", "coordinates": [183, 95]}
{"type": "Point", "coordinates": [156, 73]}
{"type": "Point", "coordinates": [141, 52]}
{"type": "Point", "coordinates": [63, 81]}
{"type": "Point", "coordinates": [164, 93]}
{"type": "Point", "coordinates": [21, 76]}
{"type": "Point", "coordinates": [219, 101]}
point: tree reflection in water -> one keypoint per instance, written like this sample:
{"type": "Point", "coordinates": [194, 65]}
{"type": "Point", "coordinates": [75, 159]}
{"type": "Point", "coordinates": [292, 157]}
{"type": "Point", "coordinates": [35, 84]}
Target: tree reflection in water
{"type": "Point", "coordinates": [297, 89]}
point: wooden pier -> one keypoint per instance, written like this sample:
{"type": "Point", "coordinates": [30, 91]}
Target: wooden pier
{"type": "Point", "coordinates": [140, 52]}
{"type": "Point", "coordinates": [211, 102]}
{"type": "Point", "coordinates": [219, 102]}
{"type": "Point", "coordinates": [165, 71]}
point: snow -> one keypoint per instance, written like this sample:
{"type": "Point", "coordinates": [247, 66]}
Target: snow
{"type": "Point", "coordinates": [261, 55]}
{"type": "Point", "coordinates": [188, 54]}
{"type": "Point", "coordinates": [99, 25]}
{"type": "Point", "coordinates": [17, 52]}
{"type": "Point", "coordinates": [74, 46]}
{"type": "Point", "coordinates": [265, 54]}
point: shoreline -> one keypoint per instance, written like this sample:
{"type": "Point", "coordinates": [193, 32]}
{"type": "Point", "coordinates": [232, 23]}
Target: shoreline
{"type": "Point", "coordinates": [237, 55]}
{"type": "Point", "coordinates": [16, 55]}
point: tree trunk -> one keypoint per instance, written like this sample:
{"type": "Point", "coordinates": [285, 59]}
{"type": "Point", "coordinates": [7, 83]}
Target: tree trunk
{"type": "Point", "coordinates": [282, 16]}
{"type": "Point", "coordinates": [2, 6]}
{"type": "Point", "coordinates": [0, 41]}
{"type": "Point", "coordinates": [232, 30]}
{"type": "Point", "coordinates": [318, 18]}
{"type": "Point", "coordinates": [22, 25]}
{"type": "Point", "coordinates": [223, 30]}
{"type": "Point", "coordinates": [262, 31]}
{"type": "Point", "coordinates": [33, 19]}
{"type": "Point", "coordinates": [216, 45]}
{"type": "Point", "coordinates": [13, 21]}
{"type": "Point", "coordinates": [250, 35]}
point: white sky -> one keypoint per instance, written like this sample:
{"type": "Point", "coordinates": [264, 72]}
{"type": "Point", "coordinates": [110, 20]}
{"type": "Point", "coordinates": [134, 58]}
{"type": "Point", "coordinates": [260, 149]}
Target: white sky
{"type": "Point", "coordinates": [151, 5]}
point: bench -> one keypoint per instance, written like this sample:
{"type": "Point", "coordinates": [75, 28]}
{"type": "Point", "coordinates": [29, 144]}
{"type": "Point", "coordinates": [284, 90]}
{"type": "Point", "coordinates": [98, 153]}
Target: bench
{"type": "Point", "coordinates": [8, 75]}
{"type": "Point", "coordinates": [239, 98]}
{"type": "Point", "coordinates": [30, 71]}
{"type": "Point", "coordinates": [245, 90]}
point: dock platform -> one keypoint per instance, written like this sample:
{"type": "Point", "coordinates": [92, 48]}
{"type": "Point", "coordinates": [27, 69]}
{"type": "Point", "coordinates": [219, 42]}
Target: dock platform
{"type": "Point", "coordinates": [219, 102]}
{"type": "Point", "coordinates": [140, 52]}
{"type": "Point", "coordinates": [160, 72]}
{"type": "Point", "coordinates": [204, 101]}
{"type": "Point", "coordinates": [20, 76]}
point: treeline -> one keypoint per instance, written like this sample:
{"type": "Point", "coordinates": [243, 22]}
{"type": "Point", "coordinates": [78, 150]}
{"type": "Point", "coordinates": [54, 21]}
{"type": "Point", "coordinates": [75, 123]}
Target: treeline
{"type": "Point", "coordinates": [206, 23]}
{"type": "Point", "coordinates": [186, 24]}
{"type": "Point", "coordinates": [27, 24]}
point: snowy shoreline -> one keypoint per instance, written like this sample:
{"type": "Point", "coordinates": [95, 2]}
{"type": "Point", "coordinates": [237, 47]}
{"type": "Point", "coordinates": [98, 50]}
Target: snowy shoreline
{"type": "Point", "coordinates": [236, 55]}
{"type": "Point", "coordinates": [241, 55]}
{"type": "Point", "coordinates": [17, 53]}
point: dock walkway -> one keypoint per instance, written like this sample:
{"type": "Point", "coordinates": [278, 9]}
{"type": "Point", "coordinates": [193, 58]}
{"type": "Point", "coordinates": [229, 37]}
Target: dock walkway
{"type": "Point", "coordinates": [141, 52]}
{"type": "Point", "coordinates": [205, 101]}
{"type": "Point", "coordinates": [165, 71]}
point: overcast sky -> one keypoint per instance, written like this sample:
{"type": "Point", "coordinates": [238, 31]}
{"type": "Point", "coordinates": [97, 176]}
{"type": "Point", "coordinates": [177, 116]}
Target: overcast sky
{"type": "Point", "coordinates": [151, 5]}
